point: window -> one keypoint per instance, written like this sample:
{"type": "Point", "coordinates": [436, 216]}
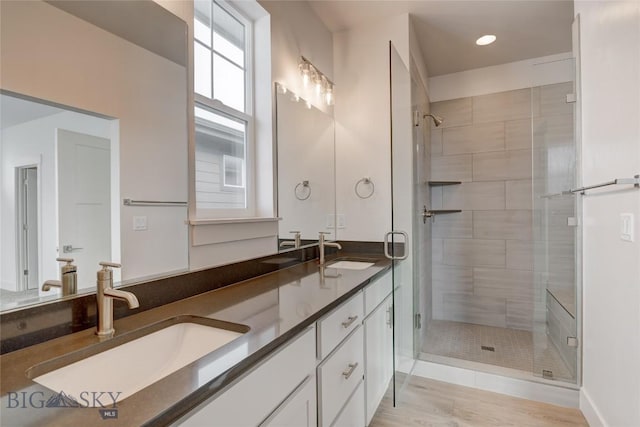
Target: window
{"type": "Point", "coordinates": [223, 110]}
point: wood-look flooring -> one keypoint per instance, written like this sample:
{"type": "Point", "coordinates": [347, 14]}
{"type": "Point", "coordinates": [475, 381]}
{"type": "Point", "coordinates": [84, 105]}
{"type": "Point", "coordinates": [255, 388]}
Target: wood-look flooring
{"type": "Point", "coordinates": [426, 402]}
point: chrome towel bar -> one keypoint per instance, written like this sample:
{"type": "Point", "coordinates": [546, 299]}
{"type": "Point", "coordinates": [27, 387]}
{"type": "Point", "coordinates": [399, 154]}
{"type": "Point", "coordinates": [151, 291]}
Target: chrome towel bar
{"type": "Point", "coordinates": [635, 181]}
{"type": "Point", "coordinates": [131, 202]}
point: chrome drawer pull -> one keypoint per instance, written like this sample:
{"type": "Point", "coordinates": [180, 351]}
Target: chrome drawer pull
{"type": "Point", "coordinates": [352, 367]}
{"type": "Point", "coordinates": [349, 321]}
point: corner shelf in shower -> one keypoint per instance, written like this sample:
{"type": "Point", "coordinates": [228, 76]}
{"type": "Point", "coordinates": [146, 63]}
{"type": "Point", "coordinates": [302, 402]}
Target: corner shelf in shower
{"type": "Point", "coordinates": [442, 183]}
{"type": "Point", "coordinates": [435, 212]}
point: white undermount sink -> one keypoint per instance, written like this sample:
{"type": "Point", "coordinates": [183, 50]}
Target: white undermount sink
{"type": "Point", "coordinates": [351, 265]}
{"type": "Point", "coordinates": [131, 366]}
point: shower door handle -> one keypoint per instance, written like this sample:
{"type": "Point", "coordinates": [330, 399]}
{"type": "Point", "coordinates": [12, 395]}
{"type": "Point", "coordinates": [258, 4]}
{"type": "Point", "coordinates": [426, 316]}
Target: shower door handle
{"type": "Point", "coordinates": [406, 245]}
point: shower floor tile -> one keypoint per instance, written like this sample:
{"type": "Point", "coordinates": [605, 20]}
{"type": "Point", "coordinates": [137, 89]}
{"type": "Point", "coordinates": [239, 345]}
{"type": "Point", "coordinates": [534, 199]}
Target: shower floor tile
{"type": "Point", "coordinates": [512, 348]}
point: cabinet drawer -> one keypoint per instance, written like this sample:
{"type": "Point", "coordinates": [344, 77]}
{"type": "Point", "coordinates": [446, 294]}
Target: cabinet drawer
{"type": "Point", "coordinates": [250, 401]}
{"type": "Point", "coordinates": [335, 326]}
{"type": "Point", "coordinates": [299, 410]}
{"type": "Point", "coordinates": [339, 375]}
{"type": "Point", "coordinates": [376, 292]}
{"type": "Point", "coordinates": [353, 413]}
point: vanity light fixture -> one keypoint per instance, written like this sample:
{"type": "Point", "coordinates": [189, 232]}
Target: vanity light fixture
{"type": "Point", "coordinates": [305, 71]}
{"type": "Point", "coordinates": [323, 86]}
{"type": "Point", "coordinates": [486, 39]}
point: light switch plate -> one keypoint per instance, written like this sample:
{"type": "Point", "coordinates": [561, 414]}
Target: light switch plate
{"type": "Point", "coordinates": [626, 227]}
{"type": "Point", "coordinates": [341, 221]}
{"type": "Point", "coordinates": [331, 220]}
{"type": "Point", "coordinates": [139, 223]}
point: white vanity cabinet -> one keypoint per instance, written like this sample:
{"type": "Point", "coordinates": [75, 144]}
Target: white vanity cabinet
{"type": "Point", "coordinates": [352, 414]}
{"type": "Point", "coordinates": [299, 410]}
{"type": "Point", "coordinates": [279, 392]}
{"type": "Point", "coordinates": [341, 359]}
{"type": "Point", "coordinates": [378, 342]}
{"type": "Point", "coordinates": [334, 374]}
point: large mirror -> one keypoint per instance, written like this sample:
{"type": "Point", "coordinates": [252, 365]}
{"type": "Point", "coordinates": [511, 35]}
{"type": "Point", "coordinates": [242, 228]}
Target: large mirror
{"type": "Point", "coordinates": [58, 167]}
{"type": "Point", "coordinates": [94, 111]}
{"type": "Point", "coordinates": [306, 171]}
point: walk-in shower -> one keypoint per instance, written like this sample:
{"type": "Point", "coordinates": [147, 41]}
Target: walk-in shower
{"type": "Point", "coordinates": [504, 290]}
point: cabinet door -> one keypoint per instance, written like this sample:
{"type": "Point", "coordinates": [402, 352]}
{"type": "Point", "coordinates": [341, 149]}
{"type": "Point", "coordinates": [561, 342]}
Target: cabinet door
{"type": "Point", "coordinates": [352, 414]}
{"type": "Point", "coordinates": [250, 401]}
{"type": "Point", "coordinates": [299, 410]}
{"type": "Point", "coordinates": [378, 330]}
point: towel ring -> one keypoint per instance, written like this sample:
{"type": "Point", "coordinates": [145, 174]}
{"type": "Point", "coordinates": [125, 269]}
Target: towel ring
{"type": "Point", "coordinates": [367, 181]}
{"type": "Point", "coordinates": [303, 185]}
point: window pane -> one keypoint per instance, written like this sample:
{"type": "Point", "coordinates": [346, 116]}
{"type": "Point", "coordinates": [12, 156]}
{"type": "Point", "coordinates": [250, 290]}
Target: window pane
{"type": "Point", "coordinates": [228, 27]}
{"type": "Point", "coordinates": [228, 83]}
{"type": "Point", "coordinates": [220, 161]}
{"type": "Point", "coordinates": [202, 21]}
{"type": "Point", "coordinates": [202, 65]}
{"type": "Point", "coordinates": [228, 49]}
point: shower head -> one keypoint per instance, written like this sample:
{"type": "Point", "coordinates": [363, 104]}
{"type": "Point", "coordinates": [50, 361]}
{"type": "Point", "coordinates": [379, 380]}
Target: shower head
{"type": "Point", "coordinates": [436, 120]}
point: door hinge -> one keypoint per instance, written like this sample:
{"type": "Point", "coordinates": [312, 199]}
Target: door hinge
{"type": "Point", "coordinates": [25, 272]}
{"type": "Point", "coordinates": [572, 341]}
{"type": "Point", "coordinates": [418, 321]}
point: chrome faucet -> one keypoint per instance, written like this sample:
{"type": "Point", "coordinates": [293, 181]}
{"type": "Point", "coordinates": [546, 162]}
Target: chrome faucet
{"type": "Point", "coordinates": [105, 296]}
{"type": "Point", "coordinates": [295, 242]}
{"type": "Point", "coordinates": [68, 278]}
{"type": "Point", "coordinates": [322, 244]}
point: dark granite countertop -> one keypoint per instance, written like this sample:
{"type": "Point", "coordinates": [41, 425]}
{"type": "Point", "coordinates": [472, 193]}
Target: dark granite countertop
{"type": "Point", "coordinates": [276, 306]}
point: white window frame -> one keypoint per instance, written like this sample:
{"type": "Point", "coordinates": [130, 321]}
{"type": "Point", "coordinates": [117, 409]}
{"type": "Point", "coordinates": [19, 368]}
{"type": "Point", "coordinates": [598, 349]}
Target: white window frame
{"type": "Point", "coordinates": [247, 116]}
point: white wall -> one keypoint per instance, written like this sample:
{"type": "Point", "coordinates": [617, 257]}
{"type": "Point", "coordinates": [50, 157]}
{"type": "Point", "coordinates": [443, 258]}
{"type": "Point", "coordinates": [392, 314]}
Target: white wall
{"type": "Point", "coordinates": [297, 31]}
{"type": "Point", "coordinates": [501, 78]}
{"type": "Point", "coordinates": [102, 73]}
{"type": "Point", "coordinates": [33, 143]}
{"type": "Point", "coordinates": [610, 89]}
{"type": "Point", "coordinates": [361, 61]}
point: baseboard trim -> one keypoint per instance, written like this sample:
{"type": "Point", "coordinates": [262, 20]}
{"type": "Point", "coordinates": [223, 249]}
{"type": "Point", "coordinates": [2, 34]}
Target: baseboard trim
{"type": "Point", "coordinates": [590, 411]}
{"type": "Point", "coordinates": [555, 395]}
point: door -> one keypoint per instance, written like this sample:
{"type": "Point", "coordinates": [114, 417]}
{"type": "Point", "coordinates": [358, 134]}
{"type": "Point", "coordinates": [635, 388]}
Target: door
{"type": "Point", "coordinates": [403, 214]}
{"type": "Point", "coordinates": [84, 213]}
{"type": "Point", "coordinates": [27, 203]}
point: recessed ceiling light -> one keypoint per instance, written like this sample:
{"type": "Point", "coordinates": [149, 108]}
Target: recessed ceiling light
{"type": "Point", "coordinates": [485, 40]}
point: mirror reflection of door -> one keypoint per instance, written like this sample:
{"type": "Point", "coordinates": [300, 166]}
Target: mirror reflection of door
{"type": "Point", "coordinates": [84, 212]}
{"type": "Point", "coordinates": [27, 226]}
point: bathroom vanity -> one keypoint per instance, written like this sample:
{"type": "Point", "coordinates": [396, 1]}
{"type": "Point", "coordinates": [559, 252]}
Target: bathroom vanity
{"type": "Point", "coordinates": [316, 348]}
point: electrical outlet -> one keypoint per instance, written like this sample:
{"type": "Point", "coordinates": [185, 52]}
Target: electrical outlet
{"type": "Point", "coordinates": [341, 221]}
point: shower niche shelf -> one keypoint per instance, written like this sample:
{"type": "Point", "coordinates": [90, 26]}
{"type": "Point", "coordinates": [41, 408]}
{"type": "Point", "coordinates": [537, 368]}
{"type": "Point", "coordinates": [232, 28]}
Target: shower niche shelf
{"type": "Point", "coordinates": [442, 183]}
{"type": "Point", "coordinates": [444, 211]}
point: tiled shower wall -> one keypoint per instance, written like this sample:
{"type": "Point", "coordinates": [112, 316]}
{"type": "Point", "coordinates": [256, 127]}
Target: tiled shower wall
{"type": "Point", "coordinates": [482, 257]}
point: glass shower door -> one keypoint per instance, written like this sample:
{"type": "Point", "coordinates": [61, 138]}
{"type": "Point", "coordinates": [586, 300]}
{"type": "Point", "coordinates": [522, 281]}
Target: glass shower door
{"type": "Point", "coordinates": [401, 237]}
{"type": "Point", "coordinates": [556, 232]}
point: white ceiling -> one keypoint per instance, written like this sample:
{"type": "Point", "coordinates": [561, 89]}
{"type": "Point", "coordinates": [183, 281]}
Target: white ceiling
{"type": "Point", "coordinates": [14, 111]}
{"type": "Point", "coordinates": [447, 30]}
